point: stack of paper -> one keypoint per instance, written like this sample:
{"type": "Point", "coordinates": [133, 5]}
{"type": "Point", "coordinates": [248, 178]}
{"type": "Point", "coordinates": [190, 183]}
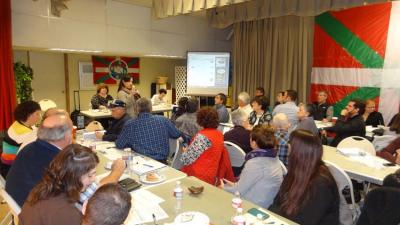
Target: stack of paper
{"type": "Point", "coordinates": [351, 151]}
{"type": "Point", "coordinates": [144, 205]}
{"type": "Point", "coordinates": [141, 165]}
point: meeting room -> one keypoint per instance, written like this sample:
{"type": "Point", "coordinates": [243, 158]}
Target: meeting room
{"type": "Point", "coordinates": [199, 112]}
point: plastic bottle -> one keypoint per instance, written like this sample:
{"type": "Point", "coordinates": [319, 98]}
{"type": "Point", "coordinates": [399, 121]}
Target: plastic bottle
{"type": "Point", "coordinates": [236, 200]}
{"type": "Point", "coordinates": [239, 219]}
{"type": "Point", "coordinates": [178, 194]}
{"type": "Point", "coordinates": [127, 156]}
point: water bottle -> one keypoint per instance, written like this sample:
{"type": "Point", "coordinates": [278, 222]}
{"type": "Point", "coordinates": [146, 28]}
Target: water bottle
{"type": "Point", "coordinates": [239, 219]}
{"type": "Point", "coordinates": [127, 156]}
{"type": "Point", "coordinates": [236, 200]}
{"type": "Point", "coordinates": [178, 194]}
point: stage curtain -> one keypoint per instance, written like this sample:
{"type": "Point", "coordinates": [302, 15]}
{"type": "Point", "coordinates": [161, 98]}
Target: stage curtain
{"type": "Point", "coordinates": [273, 53]}
{"type": "Point", "coordinates": [7, 84]}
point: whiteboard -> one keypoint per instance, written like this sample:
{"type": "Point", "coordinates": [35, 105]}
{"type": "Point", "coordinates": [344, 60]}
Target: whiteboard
{"type": "Point", "coordinates": [86, 76]}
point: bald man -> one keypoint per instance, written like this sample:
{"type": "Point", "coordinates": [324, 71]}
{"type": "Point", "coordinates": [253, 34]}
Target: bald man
{"type": "Point", "coordinates": [54, 134]}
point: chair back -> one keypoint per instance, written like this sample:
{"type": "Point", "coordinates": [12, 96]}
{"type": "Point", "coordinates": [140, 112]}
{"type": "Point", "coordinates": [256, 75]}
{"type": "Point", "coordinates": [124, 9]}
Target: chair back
{"type": "Point", "coordinates": [176, 161]}
{"type": "Point", "coordinates": [236, 154]}
{"type": "Point", "coordinates": [173, 147]}
{"type": "Point", "coordinates": [284, 169]}
{"type": "Point", "coordinates": [358, 142]}
{"type": "Point", "coordinates": [348, 212]}
{"type": "Point", "coordinates": [14, 207]}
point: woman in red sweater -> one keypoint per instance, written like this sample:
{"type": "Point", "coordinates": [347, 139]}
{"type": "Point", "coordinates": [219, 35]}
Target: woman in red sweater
{"type": "Point", "coordinates": [204, 158]}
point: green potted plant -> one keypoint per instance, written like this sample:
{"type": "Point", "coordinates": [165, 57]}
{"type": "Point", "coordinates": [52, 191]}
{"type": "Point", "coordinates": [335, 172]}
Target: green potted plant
{"type": "Point", "coordinates": [23, 76]}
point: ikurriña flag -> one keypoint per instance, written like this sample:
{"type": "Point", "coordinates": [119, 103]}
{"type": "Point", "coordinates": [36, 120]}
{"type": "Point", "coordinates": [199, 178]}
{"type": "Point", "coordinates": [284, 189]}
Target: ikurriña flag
{"type": "Point", "coordinates": [109, 70]}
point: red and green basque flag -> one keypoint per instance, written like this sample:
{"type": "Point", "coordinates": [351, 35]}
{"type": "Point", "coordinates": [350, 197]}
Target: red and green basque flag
{"type": "Point", "coordinates": [357, 55]}
{"type": "Point", "coordinates": [109, 70]}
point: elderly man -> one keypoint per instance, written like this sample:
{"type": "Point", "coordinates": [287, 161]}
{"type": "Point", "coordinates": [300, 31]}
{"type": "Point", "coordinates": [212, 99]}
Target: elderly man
{"type": "Point", "coordinates": [148, 134]}
{"type": "Point", "coordinates": [244, 103]}
{"type": "Point", "coordinates": [240, 134]}
{"type": "Point", "coordinates": [110, 205]}
{"type": "Point", "coordinates": [54, 134]}
{"type": "Point", "coordinates": [350, 122]}
{"type": "Point", "coordinates": [289, 108]}
{"type": "Point", "coordinates": [220, 102]}
{"type": "Point", "coordinates": [118, 112]}
{"type": "Point", "coordinates": [281, 124]}
{"type": "Point", "coordinates": [323, 111]}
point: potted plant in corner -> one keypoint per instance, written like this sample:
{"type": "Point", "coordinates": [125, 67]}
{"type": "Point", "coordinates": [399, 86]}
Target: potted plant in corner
{"type": "Point", "coordinates": [23, 76]}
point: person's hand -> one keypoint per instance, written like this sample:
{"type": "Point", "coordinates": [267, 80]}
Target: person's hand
{"type": "Point", "coordinates": [325, 120]}
{"type": "Point", "coordinates": [184, 149]}
{"type": "Point", "coordinates": [398, 156]}
{"type": "Point", "coordinates": [99, 135]}
{"type": "Point", "coordinates": [101, 107]}
{"type": "Point", "coordinates": [323, 132]}
{"type": "Point", "coordinates": [344, 112]}
{"type": "Point", "coordinates": [221, 184]}
{"type": "Point", "coordinates": [118, 165]}
{"type": "Point", "coordinates": [227, 182]}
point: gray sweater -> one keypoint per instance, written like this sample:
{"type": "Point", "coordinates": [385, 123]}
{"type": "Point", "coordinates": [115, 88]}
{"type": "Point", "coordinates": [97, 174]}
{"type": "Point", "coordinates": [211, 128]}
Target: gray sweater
{"type": "Point", "coordinates": [259, 181]}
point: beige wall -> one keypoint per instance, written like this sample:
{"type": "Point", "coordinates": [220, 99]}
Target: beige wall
{"type": "Point", "coordinates": [49, 75]}
{"type": "Point", "coordinates": [115, 28]}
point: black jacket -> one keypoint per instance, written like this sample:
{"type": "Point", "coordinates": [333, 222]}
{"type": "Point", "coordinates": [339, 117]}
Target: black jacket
{"type": "Point", "coordinates": [374, 119]}
{"type": "Point", "coordinates": [346, 127]}
{"type": "Point", "coordinates": [320, 111]}
{"type": "Point", "coordinates": [115, 128]}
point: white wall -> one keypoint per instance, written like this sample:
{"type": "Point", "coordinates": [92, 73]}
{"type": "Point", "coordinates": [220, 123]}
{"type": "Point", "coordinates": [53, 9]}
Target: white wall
{"type": "Point", "coordinates": [112, 27]}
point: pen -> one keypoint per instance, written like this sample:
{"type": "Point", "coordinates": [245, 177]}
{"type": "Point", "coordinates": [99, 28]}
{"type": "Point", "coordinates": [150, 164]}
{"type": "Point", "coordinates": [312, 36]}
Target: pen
{"type": "Point", "coordinates": [154, 219]}
{"type": "Point", "coordinates": [144, 164]}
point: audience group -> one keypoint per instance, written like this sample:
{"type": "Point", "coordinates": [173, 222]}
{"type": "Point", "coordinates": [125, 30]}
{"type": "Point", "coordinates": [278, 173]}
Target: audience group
{"type": "Point", "coordinates": [53, 179]}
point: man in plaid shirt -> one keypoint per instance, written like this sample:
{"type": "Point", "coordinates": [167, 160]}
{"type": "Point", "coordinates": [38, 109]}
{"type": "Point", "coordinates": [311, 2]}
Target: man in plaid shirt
{"type": "Point", "coordinates": [281, 125]}
{"type": "Point", "coordinates": [148, 134]}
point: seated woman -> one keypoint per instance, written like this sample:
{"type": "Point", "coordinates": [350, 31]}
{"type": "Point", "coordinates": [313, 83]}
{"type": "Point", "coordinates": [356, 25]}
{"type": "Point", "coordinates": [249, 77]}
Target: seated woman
{"type": "Point", "coordinates": [101, 98]}
{"type": "Point", "coordinates": [180, 110]}
{"type": "Point", "coordinates": [306, 121]}
{"type": "Point", "coordinates": [370, 116]}
{"type": "Point", "coordinates": [187, 122]}
{"type": "Point", "coordinates": [203, 157]}
{"type": "Point", "coordinates": [260, 114]}
{"type": "Point", "coordinates": [66, 184]}
{"type": "Point", "coordinates": [23, 130]}
{"type": "Point", "coordinates": [262, 174]}
{"type": "Point", "coordinates": [308, 194]}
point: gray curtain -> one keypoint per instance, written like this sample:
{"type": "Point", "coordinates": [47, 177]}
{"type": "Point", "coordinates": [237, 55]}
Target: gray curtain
{"type": "Point", "coordinates": [273, 53]}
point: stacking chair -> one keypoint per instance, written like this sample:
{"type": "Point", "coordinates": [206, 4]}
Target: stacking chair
{"type": "Point", "coordinates": [359, 142]}
{"type": "Point", "coordinates": [176, 161]}
{"type": "Point", "coordinates": [15, 209]}
{"type": "Point", "coordinates": [284, 170]}
{"type": "Point", "coordinates": [173, 148]}
{"type": "Point", "coordinates": [236, 154]}
{"type": "Point", "coordinates": [348, 212]}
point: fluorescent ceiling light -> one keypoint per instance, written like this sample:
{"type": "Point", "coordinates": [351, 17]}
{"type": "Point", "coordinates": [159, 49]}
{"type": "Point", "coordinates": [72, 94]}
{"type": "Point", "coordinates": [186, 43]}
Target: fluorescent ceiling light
{"type": "Point", "coordinates": [74, 50]}
{"type": "Point", "coordinates": [163, 56]}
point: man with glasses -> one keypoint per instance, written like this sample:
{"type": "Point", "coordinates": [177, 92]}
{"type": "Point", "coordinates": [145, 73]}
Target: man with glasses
{"type": "Point", "coordinates": [118, 112]}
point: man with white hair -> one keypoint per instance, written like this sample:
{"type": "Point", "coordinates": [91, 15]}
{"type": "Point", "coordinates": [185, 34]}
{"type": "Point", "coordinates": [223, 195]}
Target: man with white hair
{"type": "Point", "coordinates": [281, 124]}
{"type": "Point", "coordinates": [240, 134]}
{"type": "Point", "coordinates": [244, 103]}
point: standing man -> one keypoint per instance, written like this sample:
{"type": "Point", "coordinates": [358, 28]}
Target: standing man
{"type": "Point", "coordinates": [323, 111]}
{"type": "Point", "coordinates": [148, 134]}
{"type": "Point", "coordinates": [118, 112]}
{"type": "Point", "coordinates": [220, 102]}
{"type": "Point", "coordinates": [289, 108]}
{"type": "Point", "coordinates": [350, 122]}
{"type": "Point", "coordinates": [159, 98]}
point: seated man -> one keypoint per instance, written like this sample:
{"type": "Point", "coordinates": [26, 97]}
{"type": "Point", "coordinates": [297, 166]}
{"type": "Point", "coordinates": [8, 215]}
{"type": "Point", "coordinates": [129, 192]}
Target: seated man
{"type": "Point", "coordinates": [259, 92]}
{"type": "Point", "coordinates": [220, 102]}
{"type": "Point", "coordinates": [118, 112]}
{"type": "Point", "coordinates": [240, 134]}
{"type": "Point", "coordinates": [289, 108]}
{"type": "Point", "coordinates": [281, 124]}
{"type": "Point", "coordinates": [109, 205]}
{"type": "Point", "coordinates": [350, 122]}
{"type": "Point", "coordinates": [306, 121]}
{"type": "Point", "coordinates": [159, 98]}
{"type": "Point", "coordinates": [244, 103]}
{"type": "Point", "coordinates": [323, 111]}
{"type": "Point", "coordinates": [148, 134]}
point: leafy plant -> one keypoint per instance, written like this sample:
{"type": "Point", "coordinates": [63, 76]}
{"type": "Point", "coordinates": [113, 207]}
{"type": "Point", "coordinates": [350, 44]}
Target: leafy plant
{"type": "Point", "coordinates": [23, 76]}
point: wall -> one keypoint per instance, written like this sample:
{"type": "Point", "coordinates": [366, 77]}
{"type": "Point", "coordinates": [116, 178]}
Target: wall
{"type": "Point", "coordinates": [49, 75]}
{"type": "Point", "coordinates": [115, 28]}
